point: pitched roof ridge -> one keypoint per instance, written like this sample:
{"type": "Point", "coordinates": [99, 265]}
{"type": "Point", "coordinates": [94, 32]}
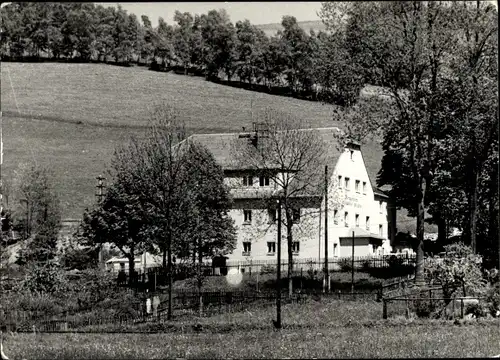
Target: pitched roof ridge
{"type": "Point", "coordinates": [236, 133]}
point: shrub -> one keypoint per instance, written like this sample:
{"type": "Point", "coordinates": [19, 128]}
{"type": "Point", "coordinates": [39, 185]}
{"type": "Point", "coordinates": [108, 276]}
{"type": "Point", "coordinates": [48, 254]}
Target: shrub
{"type": "Point", "coordinates": [345, 265]}
{"type": "Point", "coordinates": [395, 262]}
{"type": "Point", "coordinates": [366, 265]}
{"type": "Point", "coordinates": [424, 308]}
{"type": "Point", "coordinates": [460, 269]}
{"type": "Point", "coordinates": [268, 269]}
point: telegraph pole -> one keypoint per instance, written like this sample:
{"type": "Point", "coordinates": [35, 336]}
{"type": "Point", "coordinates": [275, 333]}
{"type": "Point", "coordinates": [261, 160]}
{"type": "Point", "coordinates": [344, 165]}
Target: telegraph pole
{"type": "Point", "coordinates": [1, 182]}
{"type": "Point", "coordinates": [327, 277]}
{"type": "Point", "coordinates": [278, 272]}
{"type": "Point", "coordinates": [99, 194]}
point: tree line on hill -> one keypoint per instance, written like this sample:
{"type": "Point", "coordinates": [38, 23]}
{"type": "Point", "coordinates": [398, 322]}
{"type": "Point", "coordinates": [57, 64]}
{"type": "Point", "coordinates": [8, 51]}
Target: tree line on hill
{"type": "Point", "coordinates": [291, 62]}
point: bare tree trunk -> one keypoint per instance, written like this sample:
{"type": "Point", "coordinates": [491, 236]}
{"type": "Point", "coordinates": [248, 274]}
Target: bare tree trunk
{"type": "Point", "coordinates": [442, 230]}
{"type": "Point", "coordinates": [131, 267]}
{"type": "Point", "coordinates": [289, 238]}
{"type": "Point", "coordinates": [419, 270]}
{"type": "Point", "coordinates": [473, 212]}
{"type": "Point", "coordinates": [169, 274]}
{"type": "Point", "coordinates": [200, 261]}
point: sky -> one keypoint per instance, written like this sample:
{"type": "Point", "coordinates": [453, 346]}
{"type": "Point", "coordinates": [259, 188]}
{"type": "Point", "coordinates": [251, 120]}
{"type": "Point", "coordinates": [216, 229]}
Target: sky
{"type": "Point", "coordinates": [257, 12]}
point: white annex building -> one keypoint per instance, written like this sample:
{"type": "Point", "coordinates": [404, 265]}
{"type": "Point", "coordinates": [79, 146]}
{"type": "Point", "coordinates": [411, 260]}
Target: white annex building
{"type": "Point", "coordinates": [355, 205]}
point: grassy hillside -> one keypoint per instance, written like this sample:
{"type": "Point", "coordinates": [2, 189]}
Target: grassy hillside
{"type": "Point", "coordinates": [272, 29]}
{"type": "Point", "coordinates": [71, 116]}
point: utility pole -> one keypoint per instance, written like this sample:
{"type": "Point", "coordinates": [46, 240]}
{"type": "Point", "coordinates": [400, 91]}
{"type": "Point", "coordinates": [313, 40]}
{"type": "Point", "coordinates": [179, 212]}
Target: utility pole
{"type": "Point", "coordinates": [277, 324]}
{"type": "Point", "coordinates": [327, 277]}
{"type": "Point", "coordinates": [99, 194]}
{"type": "Point", "coordinates": [1, 183]}
{"type": "Point", "coordinates": [352, 265]}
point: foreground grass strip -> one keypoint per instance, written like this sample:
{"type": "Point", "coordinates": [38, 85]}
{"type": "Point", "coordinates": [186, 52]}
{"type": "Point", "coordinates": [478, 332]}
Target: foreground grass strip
{"type": "Point", "coordinates": [358, 342]}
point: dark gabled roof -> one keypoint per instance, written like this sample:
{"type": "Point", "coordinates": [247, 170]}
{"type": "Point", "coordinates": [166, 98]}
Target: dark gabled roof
{"type": "Point", "coordinates": [222, 146]}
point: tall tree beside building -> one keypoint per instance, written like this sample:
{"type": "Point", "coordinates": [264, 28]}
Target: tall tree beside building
{"type": "Point", "coordinates": [416, 40]}
{"type": "Point", "coordinates": [117, 220]}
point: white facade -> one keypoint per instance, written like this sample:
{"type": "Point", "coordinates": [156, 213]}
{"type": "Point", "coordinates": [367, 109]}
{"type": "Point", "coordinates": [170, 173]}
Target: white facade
{"type": "Point", "coordinates": [351, 202]}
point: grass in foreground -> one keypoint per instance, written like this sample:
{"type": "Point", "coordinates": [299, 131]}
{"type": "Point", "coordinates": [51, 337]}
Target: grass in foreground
{"type": "Point", "coordinates": [396, 342]}
{"type": "Point", "coordinates": [317, 329]}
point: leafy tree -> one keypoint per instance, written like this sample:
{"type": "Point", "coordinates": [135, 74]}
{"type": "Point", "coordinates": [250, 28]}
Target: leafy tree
{"type": "Point", "coordinates": [79, 31]}
{"type": "Point", "coordinates": [273, 61]}
{"type": "Point", "coordinates": [249, 49]}
{"type": "Point", "coordinates": [104, 42]}
{"type": "Point", "coordinates": [210, 231]}
{"type": "Point", "coordinates": [418, 41]}
{"type": "Point", "coordinates": [182, 38]}
{"type": "Point", "coordinates": [145, 41]}
{"type": "Point", "coordinates": [80, 258]}
{"type": "Point", "coordinates": [458, 271]}
{"type": "Point", "coordinates": [39, 208]}
{"type": "Point", "coordinates": [219, 38]}
{"type": "Point", "coordinates": [117, 220]}
{"type": "Point", "coordinates": [163, 41]}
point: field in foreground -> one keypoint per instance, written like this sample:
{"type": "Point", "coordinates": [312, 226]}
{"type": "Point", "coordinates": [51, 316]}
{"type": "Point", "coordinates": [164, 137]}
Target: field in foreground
{"type": "Point", "coordinates": [343, 342]}
{"type": "Point", "coordinates": [317, 329]}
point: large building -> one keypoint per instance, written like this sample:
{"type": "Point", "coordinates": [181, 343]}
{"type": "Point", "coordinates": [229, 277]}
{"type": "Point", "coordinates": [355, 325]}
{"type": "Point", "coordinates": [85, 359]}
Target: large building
{"type": "Point", "coordinates": [355, 206]}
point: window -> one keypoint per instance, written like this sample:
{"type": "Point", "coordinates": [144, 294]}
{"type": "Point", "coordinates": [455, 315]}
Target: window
{"type": "Point", "coordinates": [271, 247]}
{"type": "Point", "coordinates": [367, 223]}
{"type": "Point", "coordinates": [247, 181]}
{"type": "Point", "coordinates": [335, 217]}
{"type": "Point", "coordinates": [380, 206]}
{"type": "Point", "coordinates": [335, 250]}
{"type": "Point", "coordinates": [296, 215]}
{"type": "Point", "coordinates": [380, 230]}
{"type": "Point", "coordinates": [346, 222]}
{"type": "Point", "coordinates": [364, 187]}
{"type": "Point", "coordinates": [346, 180]}
{"type": "Point", "coordinates": [356, 186]}
{"type": "Point", "coordinates": [264, 180]}
{"type": "Point", "coordinates": [357, 220]}
{"type": "Point", "coordinates": [272, 215]}
{"type": "Point", "coordinates": [352, 154]}
{"type": "Point", "coordinates": [247, 216]}
{"type": "Point", "coordinates": [295, 247]}
{"type": "Point", "coordinates": [247, 247]}
{"type": "Point", "coordinates": [340, 180]}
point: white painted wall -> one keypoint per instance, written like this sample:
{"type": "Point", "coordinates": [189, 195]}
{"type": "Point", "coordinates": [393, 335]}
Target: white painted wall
{"type": "Point", "coordinates": [310, 232]}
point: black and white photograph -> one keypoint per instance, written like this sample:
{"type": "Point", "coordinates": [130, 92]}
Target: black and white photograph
{"type": "Point", "coordinates": [247, 180]}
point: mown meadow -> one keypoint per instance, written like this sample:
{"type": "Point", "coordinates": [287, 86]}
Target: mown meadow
{"type": "Point", "coordinates": [317, 329]}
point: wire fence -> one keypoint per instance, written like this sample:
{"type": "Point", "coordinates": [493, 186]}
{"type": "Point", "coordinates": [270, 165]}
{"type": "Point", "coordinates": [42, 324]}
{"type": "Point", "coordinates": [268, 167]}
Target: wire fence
{"type": "Point", "coordinates": [402, 264]}
{"type": "Point", "coordinates": [430, 302]}
{"type": "Point", "coordinates": [185, 305]}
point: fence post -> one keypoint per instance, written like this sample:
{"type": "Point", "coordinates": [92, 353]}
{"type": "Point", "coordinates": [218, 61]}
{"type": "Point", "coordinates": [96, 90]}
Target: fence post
{"type": "Point", "coordinates": [462, 308]}
{"type": "Point", "coordinates": [384, 309]}
{"type": "Point", "coordinates": [453, 308]}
